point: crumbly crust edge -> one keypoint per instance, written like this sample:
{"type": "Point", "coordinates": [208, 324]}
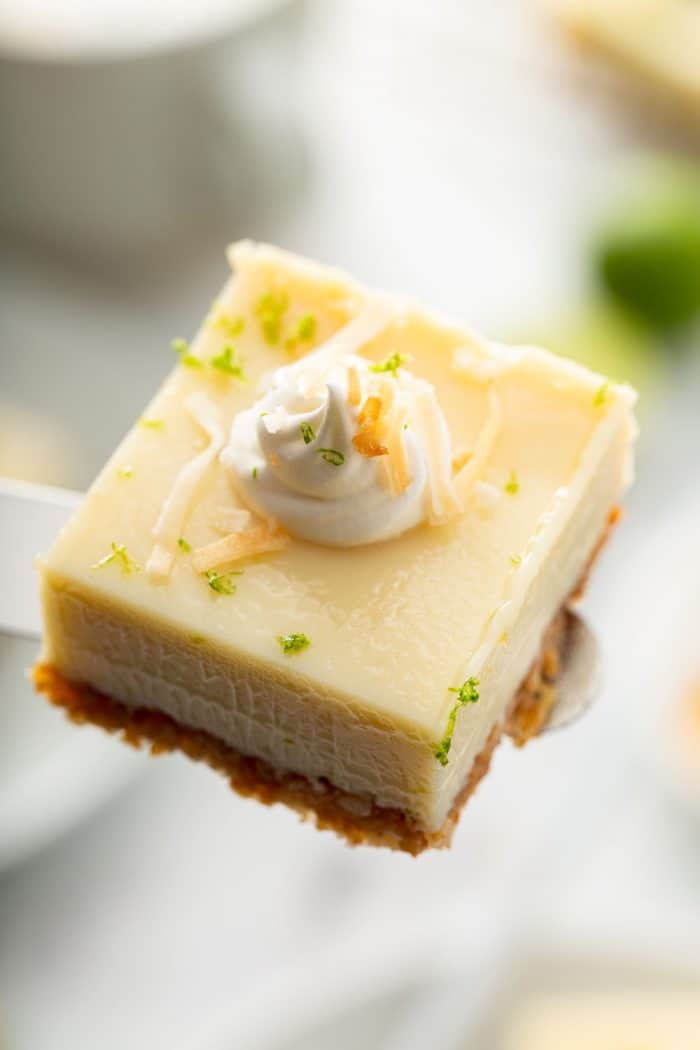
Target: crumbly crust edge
{"type": "Point", "coordinates": [358, 820]}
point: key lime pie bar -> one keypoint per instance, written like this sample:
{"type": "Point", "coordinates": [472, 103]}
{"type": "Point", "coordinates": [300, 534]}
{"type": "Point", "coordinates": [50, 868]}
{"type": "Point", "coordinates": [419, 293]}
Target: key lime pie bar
{"type": "Point", "coordinates": [333, 558]}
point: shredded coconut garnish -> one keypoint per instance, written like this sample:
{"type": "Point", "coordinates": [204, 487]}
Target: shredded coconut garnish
{"type": "Point", "coordinates": [259, 540]}
{"type": "Point", "coordinates": [354, 388]}
{"type": "Point", "coordinates": [393, 417]}
{"type": "Point", "coordinates": [460, 459]}
{"type": "Point", "coordinates": [367, 439]}
{"type": "Point", "coordinates": [171, 519]}
{"type": "Point", "coordinates": [428, 419]}
{"type": "Point", "coordinates": [469, 473]}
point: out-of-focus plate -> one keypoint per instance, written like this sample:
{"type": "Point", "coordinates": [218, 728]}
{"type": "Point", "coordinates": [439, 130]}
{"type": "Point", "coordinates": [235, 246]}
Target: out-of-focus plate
{"type": "Point", "coordinates": [409, 988]}
{"type": "Point", "coordinates": [52, 774]}
{"type": "Point", "coordinates": [620, 969]}
{"type": "Point", "coordinates": [657, 639]}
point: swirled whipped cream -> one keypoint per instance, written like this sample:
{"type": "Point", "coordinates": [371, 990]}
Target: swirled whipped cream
{"type": "Point", "coordinates": [298, 455]}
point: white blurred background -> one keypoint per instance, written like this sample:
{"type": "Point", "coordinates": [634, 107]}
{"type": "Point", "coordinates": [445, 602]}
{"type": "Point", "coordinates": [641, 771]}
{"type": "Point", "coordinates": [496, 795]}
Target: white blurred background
{"type": "Point", "coordinates": [465, 154]}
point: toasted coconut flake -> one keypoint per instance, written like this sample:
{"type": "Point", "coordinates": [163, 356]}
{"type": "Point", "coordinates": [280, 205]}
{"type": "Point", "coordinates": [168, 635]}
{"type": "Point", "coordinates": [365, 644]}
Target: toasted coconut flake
{"type": "Point", "coordinates": [460, 459]}
{"type": "Point", "coordinates": [464, 480]}
{"type": "Point", "coordinates": [381, 433]}
{"type": "Point", "coordinates": [231, 519]}
{"type": "Point", "coordinates": [445, 503]}
{"type": "Point", "coordinates": [367, 440]}
{"type": "Point", "coordinates": [387, 397]}
{"type": "Point", "coordinates": [398, 456]}
{"type": "Point", "coordinates": [259, 540]}
{"type": "Point", "coordinates": [354, 388]}
{"type": "Point", "coordinates": [368, 445]}
{"type": "Point", "coordinates": [172, 516]}
{"type": "Point", "coordinates": [370, 412]}
{"type": "Point", "coordinates": [388, 427]}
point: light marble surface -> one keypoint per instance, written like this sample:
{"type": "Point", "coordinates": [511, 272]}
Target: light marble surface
{"type": "Point", "coordinates": [440, 161]}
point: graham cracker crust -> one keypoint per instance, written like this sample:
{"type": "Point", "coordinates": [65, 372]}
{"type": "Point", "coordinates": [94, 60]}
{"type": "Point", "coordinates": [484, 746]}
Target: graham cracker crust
{"type": "Point", "coordinates": [357, 820]}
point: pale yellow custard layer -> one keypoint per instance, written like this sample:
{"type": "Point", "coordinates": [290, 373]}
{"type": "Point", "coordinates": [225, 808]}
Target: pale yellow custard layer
{"type": "Point", "coordinates": [392, 625]}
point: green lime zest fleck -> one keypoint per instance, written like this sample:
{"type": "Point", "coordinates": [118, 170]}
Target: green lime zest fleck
{"type": "Point", "coordinates": [332, 456]}
{"type": "Point", "coordinates": [306, 327]}
{"type": "Point", "coordinates": [468, 693]}
{"type": "Point", "coordinates": [293, 643]}
{"type": "Point", "coordinates": [118, 555]}
{"type": "Point", "coordinates": [227, 363]}
{"type": "Point", "coordinates": [151, 424]}
{"type": "Point", "coordinates": [270, 310]}
{"type": "Point", "coordinates": [601, 394]}
{"type": "Point", "coordinates": [125, 471]}
{"type": "Point", "coordinates": [512, 485]}
{"type": "Point", "coordinates": [197, 639]}
{"type": "Point", "coordinates": [222, 583]}
{"type": "Point", "coordinates": [307, 432]}
{"type": "Point", "coordinates": [392, 364]}
{"type": "Point", "coordinates": [254, 473]}
{"type": "Point", "coordinates": [303, 332]}
{"type": "Point", "coordinates": [182, 349]}
{"type": "Point", "coordinates": [184, 545]}
{"type": "Point", "coordinates": [232, 326]}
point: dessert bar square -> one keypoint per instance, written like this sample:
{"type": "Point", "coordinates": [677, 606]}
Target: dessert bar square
{"type": "Point", "coordinates": [334, 556]}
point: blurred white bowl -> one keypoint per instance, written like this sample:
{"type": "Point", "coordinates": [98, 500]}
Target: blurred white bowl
{"type": "Point", "coordinates": [121, 124]}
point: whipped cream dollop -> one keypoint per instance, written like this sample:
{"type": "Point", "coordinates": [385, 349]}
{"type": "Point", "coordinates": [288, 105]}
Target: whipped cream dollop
{"type": "Point", "coordinates": [292, 455]}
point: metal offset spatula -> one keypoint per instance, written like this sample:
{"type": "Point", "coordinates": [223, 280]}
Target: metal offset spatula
{"type": "Point", "coordinates": [32, 515]}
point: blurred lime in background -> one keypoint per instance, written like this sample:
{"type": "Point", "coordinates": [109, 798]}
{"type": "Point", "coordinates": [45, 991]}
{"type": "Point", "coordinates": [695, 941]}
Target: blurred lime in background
{"type": "Point", "coordinates": [646, 253]}
{"type": "Point", "coordinates": [642, 276]}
